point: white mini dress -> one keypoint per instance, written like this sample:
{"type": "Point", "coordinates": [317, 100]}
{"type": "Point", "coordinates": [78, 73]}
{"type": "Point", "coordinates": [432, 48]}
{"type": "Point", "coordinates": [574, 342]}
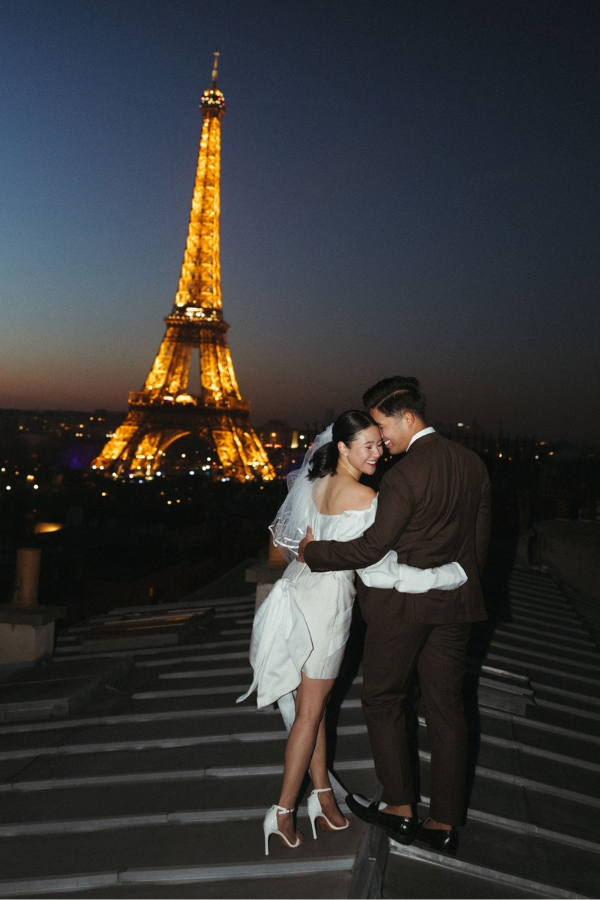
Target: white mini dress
{"type": "Point", "coordinates": [304, 622]}
{"type": "Point", "coordinates": [326, 598]}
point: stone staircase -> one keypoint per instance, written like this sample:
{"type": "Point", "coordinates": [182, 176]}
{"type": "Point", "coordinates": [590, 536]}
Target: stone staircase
{"type": "Point", "coordinates": [159, 786]}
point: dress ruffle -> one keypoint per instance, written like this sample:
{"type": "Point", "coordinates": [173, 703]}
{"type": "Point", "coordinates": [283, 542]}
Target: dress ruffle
{"type": "Point", "coordinates": [281, 644]}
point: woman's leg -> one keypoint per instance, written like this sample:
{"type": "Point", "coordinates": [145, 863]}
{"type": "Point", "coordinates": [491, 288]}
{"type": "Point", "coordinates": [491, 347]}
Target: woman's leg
{"type": "Point", "coordinates": [308, 728]}
{"type": "Point", "coordinates": [320, 777]}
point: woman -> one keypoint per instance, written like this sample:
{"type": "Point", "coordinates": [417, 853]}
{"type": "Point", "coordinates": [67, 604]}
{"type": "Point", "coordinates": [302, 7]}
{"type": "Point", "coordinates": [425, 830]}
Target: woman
{"type": "Point", "coordinates": [301, 629]}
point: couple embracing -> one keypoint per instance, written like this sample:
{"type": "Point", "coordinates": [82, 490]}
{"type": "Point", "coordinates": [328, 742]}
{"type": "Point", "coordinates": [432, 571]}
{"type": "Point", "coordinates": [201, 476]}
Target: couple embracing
{"type": "Point", "coordinates": [418, 549]}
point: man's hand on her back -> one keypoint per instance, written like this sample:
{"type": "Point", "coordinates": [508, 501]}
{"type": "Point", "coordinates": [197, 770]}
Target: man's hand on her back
{"type": "Point", "coordinates": [305, 540]}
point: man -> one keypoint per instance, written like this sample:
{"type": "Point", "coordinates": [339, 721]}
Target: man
{"type": "Point", "coordinates": [433, 508]}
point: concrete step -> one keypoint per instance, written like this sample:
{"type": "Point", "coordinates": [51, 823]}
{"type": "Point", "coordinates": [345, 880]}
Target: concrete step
{"type": "Point", "coordinates": [329, 877]}
{"type": "Point", "coordinates": [545, 735]}
{"type": "Point", "coordinates": [567, 640]}
{"type": "Point", "coordinates": [505, 756]}
{"type": "Point", "coordinates": [557, 645]}
{"type": "Point", "coordinates": [540, 598]}
{"type": "Point", "coordinates": [577, 699]}
{"type": "Point", "coordinates": [568, 718]}
{"type": "Point", "coordinates": [48, 771]}
{"type": "Point", "coordinates": [417, 872]}
{"type": "Point", "coordinates": [505, 793]}
{"type": "Point", "coordinates": [493, 722]}
{"type": "Point", "coordinates": [552, 672]}
{"type": "Point", "coordinates": [256, 786]}
{"type": "Point", "coordinates": [556, 618]}
{"type": "Point", "coordinates": [530, 800]}
{"type": "Point", "coordinates": [62, 652]}
{"type": "Point", "coordinates": [522, 853]}
{"type": "Point", "coordinates": [536, 861]}
{"type": "Point", "coordinates": [48, 690]}
{"type": "Point", "coordinates": [531, 618]}
{"type": "Point", "coordinates": [184, 603]}
{"type": "Point", "coordinates": [247, 722]}
{"type": "Point", "coordinates": [197, 844]}
{"type": "Point", "coordinates": [412, 872]}
{"type": "Point", "coordinates": [201, 658]}
{"type": "Point", "coordinates": [568, 660]}
{"type": "Point", "coordinates": [539, 593]}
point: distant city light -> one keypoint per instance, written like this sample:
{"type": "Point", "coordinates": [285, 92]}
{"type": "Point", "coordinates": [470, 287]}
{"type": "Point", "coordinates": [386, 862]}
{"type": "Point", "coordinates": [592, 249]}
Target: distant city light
{"type": "Point", "coordinates": [47, 527]}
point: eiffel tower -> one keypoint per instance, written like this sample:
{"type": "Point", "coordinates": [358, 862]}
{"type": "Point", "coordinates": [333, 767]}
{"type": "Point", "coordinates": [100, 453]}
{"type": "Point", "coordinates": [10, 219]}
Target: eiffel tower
{"type": "Point", "coordinates": [163, 411]}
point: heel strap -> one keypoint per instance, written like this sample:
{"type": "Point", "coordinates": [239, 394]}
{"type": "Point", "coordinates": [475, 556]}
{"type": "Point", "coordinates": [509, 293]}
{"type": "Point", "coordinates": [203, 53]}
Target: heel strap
{"type": "Point", "coordinates": [282, 809]}
{"type": "Point", "coordinates": [322, 790]}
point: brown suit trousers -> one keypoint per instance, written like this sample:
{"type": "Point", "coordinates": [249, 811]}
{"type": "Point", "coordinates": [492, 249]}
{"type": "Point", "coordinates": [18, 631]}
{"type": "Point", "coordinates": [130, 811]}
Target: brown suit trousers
{"type": "Point", "coordinates": [433, 508]}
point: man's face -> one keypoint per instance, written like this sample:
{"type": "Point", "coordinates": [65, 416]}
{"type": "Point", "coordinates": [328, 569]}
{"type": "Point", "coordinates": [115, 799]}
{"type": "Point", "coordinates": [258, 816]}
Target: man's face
{"type": "Point", "coordinates": [396, 431]}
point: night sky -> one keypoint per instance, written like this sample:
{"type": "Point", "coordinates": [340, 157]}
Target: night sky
{"type": "Point", "coordinates": [407, 188]}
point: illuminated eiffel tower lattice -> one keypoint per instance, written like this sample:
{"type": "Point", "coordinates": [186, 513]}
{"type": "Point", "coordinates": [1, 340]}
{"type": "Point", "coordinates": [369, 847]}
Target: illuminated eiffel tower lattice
{"type": "Point", "coordinates": [164, 411]}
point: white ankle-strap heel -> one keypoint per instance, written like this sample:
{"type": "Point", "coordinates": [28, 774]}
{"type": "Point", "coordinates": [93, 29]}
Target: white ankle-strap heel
{"type": "Point", "coordinates": [270, 827]}
{"type": "Point", "coordinates": [315, 812]}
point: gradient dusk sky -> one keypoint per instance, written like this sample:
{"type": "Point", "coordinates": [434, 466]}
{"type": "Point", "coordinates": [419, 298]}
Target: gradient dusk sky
{"type": "Point", "coordinates": [407, 188]}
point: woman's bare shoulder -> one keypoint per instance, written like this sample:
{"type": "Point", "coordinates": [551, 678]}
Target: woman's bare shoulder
{"type": "Point", "coordinates": [358, 496]}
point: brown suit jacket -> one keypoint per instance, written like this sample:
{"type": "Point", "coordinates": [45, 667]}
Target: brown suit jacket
{"type": "Point", "coordinates": [433, 508]}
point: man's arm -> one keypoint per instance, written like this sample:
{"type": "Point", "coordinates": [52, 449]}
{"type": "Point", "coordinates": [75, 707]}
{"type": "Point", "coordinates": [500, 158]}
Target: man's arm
{"type": "Point", "coordinates": [395, 507]}
{"type": "Point", "coordinates": [484, 523]}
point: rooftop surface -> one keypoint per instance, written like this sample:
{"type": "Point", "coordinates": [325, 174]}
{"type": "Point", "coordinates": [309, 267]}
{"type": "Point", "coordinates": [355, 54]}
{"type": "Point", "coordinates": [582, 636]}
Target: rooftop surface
{"type": "Point", "coordinates": [146, 780]}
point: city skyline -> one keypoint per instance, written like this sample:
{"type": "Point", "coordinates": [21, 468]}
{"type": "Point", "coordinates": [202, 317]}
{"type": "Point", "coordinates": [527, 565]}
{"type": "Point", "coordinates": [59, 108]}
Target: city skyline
{"type": "Point", "coordinates": [403, 191]}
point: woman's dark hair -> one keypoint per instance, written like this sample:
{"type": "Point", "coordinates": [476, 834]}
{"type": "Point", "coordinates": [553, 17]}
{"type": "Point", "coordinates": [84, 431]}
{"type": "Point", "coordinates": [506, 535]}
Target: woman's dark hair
{"type": "Point", "coordinates": [394, 396]}
{"type": "Point", "coordinates": [345, 428]}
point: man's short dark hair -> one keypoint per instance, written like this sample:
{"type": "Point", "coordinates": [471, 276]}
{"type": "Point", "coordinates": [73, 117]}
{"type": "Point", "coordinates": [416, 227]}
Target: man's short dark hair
{"type": "Point", "coordinates": [395, 396]}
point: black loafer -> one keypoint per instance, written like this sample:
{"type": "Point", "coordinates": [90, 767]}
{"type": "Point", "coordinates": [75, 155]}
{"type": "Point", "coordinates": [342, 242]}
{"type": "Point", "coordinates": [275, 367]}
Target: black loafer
{"type": "Point", "coordinates": [442, 841]}
{"type": "Point", "coordinates": [402, 829]}
{"type": "Point", "coordinates": [368, 812]}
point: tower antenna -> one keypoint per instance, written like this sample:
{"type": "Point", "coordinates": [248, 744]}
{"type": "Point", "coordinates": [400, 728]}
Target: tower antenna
{"type": "Point", "coordinates": [215, 69]}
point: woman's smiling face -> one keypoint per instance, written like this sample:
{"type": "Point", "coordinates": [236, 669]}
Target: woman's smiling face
{"type": "Point", "coordinates": [364, 451]}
